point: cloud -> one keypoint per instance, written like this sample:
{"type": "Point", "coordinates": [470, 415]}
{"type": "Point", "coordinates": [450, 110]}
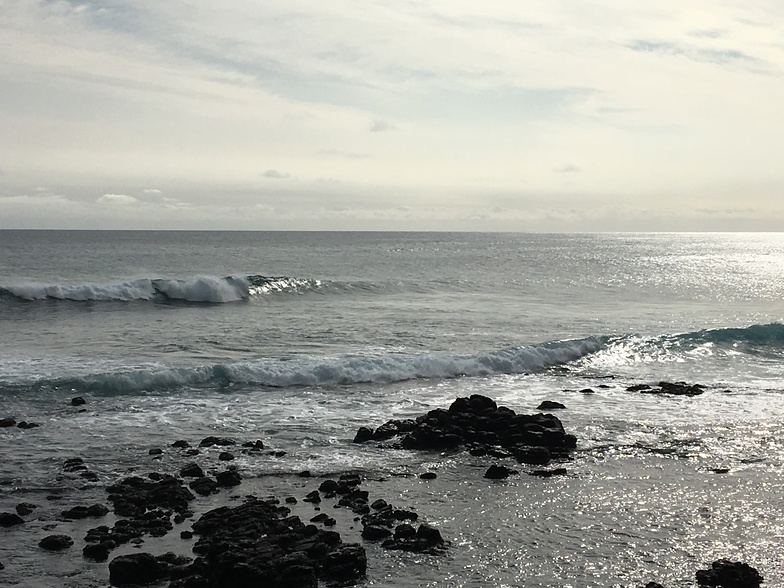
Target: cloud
{"type": "Point", "coordinates": [276, 175]}
{"type": "Point", "coordinates": [379, 126]}
{"type": "Point", "coordinates": [117, 199]}
{"type": "Point", "coordinates": [569, 168]}
{"type": "Point", "coordinates": [153, 191]}
{"type": "Point", "coordinates": [344, 154]}
{"type": "Point", "coordinates": [701, 54]}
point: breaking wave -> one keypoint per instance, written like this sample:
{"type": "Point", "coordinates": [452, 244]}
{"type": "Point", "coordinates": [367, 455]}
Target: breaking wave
{"type": "Point", "coordinates": [325, 371]}
{"type": "Point", "coordinates": [205, 289]}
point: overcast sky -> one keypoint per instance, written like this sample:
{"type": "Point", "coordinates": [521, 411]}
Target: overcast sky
{"type": "Point", "coordinates": [533, 115]}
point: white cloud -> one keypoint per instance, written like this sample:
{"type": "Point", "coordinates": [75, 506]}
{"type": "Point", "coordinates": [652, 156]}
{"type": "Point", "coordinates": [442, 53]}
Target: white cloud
{"type": "Point", "coordinates": [153, 191]}
{"type": "Point", "coordinates": [276, 175]}
{"type": "Point", "coordinates": [123, 199]}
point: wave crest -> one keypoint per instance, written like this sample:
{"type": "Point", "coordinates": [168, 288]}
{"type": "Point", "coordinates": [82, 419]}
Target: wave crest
{"type": "Point", "coordinates": [329, 371]}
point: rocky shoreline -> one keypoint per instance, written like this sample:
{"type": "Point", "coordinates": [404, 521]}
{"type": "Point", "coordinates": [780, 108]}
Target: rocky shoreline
{"type": "Point", "coordinates": [260, 541]}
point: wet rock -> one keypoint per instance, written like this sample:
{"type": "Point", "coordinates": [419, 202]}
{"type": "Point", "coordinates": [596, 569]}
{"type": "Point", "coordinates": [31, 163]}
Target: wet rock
{"type": "Point", "coordinates": [134, 496]}
{"type": "Point", "coordinates": [729, 574]}
{"type": "Point", "coordinates": [590, 391]}
{"type": "Point", "coordinates": [496, 472]}
{"type": "Point", "coordinates": [550, 405]}
{"type": "Point", "coordinates": [25, 508]}
{"type": "Point", "coordinates": [98, 551]}
{"type": "Point", "coordinates": [55, 542]}
{"type": "Point", "coordinates": [304, 474]}
{"type": "Point", "coordinates": [653, 585]}
{"type": "Point", "coordinates": [257, 445]}
{"type": "Point", "coordinates": [134, 569]}
{"type": "Point", "coordinates": [204, 486]}
{"type": "Point", "coordinates": [258, 544]}
{"type": "Point", "coordinates": [221, 441]}
{"type": "Point", "coordinates": [548, 473]}
{"type": "Point", "coordinates": [82, 512]}
{"type": "Point", "coordinates": [228, 478]}
{"type": "Point", "coordinates": [476, 423]}
{"type": "Point", "coordinates": [27, 425]}
{"type": "Point", "coordinates": [89, 476]}
{"type": "Point", "coordinates": [192, 470]}
{"type": "Point", "coordinates": [291, 500]}
{"type": "Point", "coordinates": [78, 401]}
{"type": "Point", "coordinates": [375, 533]}
{"type": "Point", "coordinates": [155, 451]}
{"type": "Point", "coordinates": [186, 534]}
{"type": "Point", "coordinates": [313, 497]}
{"type": "Point", "coordinates": [363, 434]}
{"type": "Point", "coordinates": [181, 444]}
{"type": "Point", "coordinates": [426, 540]}
{"type": "Point", "coordinates": [428, 476]}
{"type": "Point", "coordinates": [379, 504]}
{"type": "Point", "coordinates": [7, 422]}
{"type": "Point", "coordinates": [10, 519]}
{"type": "Point", "coordinates": [671, 388]}
{"type": "Point", "coordinates": [226, 456]}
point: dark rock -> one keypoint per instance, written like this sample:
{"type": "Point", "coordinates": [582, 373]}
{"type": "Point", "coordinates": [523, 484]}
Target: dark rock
{"type": "Point", "coordinates": [25, 508]}
{"type": "Point", "coordinates": [204, 486]}
{"type": "Point", "coordinates": [56, 542]}
{"type": "Point", "coordinates": [719, 470]}
{"type": "Point", "coordinates": [428, 476]}
{"type": "Point", "coordinates": [134, 496]}
{"type": "Point", "coordinates": [134, 569]}
{"type": "Point", "coordinates": [729, 574]}
{"type": "Point", "coordinates": [74, 464]}
{"type": "Point", "coordinates": [671, 388]}
{"type": "Point", "coordinates": [277, 453]}
{"type": "Point", "coordinates": [590, 391]}
{"type": "Point", "coordinates": [363, 434]}
{"type": "Point", "coordinates": [27, 425]}
{"type": "Point", "coordinates": [291, 500]}
{"type": "Point", "coordinates": [7, 422]}
{"type": "Point", "coordinates": [221, 441]}
{"type": "Point", "coordinates": [186, 534]}
{"type": "Point", "coordinates": [653, 585]}
{"type": "Point", "coordinates": [192, 452]}
{"type": "Point", "coordinates": [496, 472]}
{"type": "Point", "coordinates": [375, 533]}
{"type": "Point", "coordinates": [379, 504]}
{"type": "Point", "coordinates": [98, 551]}
{"type": "Point", "coordinates": [328, 486]}
{"type": "Point", "coordinates": [228, 478]}
{"type": "Point", "coordinates": [257, 445]}
{"type": "Point", "coordinates": [313, 497]}
{"type": "Point", "coordinates": [181, 444]}
{"type": "Point", "coordinates": [10, 519]}
{"type": "Point", "coordinates": [78, 401]}
{"type": "Point", "coordinates": [550, 405]}
{"type": "Point", "coordinates": [479, 425]}
{"type": "Point", "coordinates": [89, 476]}
{"type": "Point", "coordinates": [304, 474]}
{"type": "Point", "coordinates": [192, 470]}
{"type": "Point", "coordinates": [155, 451]}
{"type": "Point", "coordinates": [82, 512]}
{"type": "Point", "coordinates": [226, 456]}
{"type": "Point", "coordinates": [257, 544]}
{"type": "Point", "coordinates": [548, 473]}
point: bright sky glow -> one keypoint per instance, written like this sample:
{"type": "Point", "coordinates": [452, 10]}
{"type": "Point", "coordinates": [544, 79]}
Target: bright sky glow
{"type": "Point", "coordinates": [544, 115]}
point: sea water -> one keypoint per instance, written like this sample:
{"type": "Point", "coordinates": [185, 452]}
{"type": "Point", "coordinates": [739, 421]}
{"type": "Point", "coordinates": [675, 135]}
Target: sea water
{"type": "Point", "coordinates": [300, 338]}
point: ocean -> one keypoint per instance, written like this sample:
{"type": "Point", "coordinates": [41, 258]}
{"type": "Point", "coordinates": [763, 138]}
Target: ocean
{"type": "Point", "coordinates": [300, 338]}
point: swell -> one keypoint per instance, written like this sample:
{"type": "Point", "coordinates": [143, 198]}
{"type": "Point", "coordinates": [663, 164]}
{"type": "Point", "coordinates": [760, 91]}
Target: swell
{"type": "Point", "coordinates": [321, 371]}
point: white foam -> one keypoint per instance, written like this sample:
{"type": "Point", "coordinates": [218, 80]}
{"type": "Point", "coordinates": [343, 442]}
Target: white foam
{"type": "Point", "coordinates": [133, 290]}
{"type": "Point", "coordinates": [205, 289]}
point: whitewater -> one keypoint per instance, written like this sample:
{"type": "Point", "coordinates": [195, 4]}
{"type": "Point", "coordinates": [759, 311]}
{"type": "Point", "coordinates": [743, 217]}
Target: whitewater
{"type": "Point", "coordinates": [300, 338]}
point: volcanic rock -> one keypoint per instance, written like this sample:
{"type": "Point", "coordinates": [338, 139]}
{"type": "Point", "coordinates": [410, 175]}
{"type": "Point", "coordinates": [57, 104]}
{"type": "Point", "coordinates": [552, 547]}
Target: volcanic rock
{"type": "Point", "coordinates": [550, 405]}
{"type": "Point", "coordinates": [496, 472]}
{"type": "Point", "coordinates": [56, 542]}
{"type": "Point", "coordinates": [729, 574]}
{"type": "Point", "coordinates": [10, 519]}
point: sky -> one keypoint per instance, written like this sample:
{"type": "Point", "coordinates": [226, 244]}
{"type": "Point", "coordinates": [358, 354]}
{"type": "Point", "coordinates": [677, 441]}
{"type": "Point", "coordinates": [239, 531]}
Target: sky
{"type": "Point", "coordinates": [493, 115]}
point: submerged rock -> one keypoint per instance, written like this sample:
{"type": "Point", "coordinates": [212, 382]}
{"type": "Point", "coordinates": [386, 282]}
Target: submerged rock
{"type": "Point", "coordinates": [671, 388]}
{"type": "Point", "coordinates": [550, 405]}
{"type": "Point", "coordinates": [496, 472]}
